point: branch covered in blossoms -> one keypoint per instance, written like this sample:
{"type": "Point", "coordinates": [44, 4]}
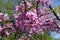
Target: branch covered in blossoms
{"type": "Point", "coordinates": [29, 19]}
{"type": "Point", "coordinates": [31, 22]}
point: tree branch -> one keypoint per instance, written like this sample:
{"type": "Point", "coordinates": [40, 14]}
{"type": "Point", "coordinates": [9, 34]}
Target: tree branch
{"type": "Point", "coordinates": [54, 13]}
{"type": "Point", "coordinates": [25, 6]}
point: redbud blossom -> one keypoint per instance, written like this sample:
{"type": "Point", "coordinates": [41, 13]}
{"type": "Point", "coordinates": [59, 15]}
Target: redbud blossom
{"type": "Point", "coordinates": [5, 17]}
{"type": "Point", "coordinates": [0, 28]}
{"type": "Point", "coordinates": [1, 14]}
{"type": "Point", "coordinates": [29, 4]}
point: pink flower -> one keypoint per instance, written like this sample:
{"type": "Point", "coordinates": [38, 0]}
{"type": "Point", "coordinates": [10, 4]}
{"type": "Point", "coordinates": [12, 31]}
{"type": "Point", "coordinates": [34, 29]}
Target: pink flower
{"type": "Point", "coordinates": [1, 14]}
{"type": "Point", "coordinates": [0, 29]}
{"type": "Point", "coordinates": [5, 17]}
{"type": "Point", "coordinates": [0, 20]}
{"type": "Point", "coordinates": [49, 3]}
{"type": "Point", "coordinates": [45, 1]}
{"type": "Point", "coordinates": [19, 8]}
{"type": "Point", "coordinates": [29, 4]}
{"type": "Point", "coordinates": [31, 14]}
{"type": "Point", "coordinates": [15, 15]}
{"type": "Point", "coordinates": [7, 34]}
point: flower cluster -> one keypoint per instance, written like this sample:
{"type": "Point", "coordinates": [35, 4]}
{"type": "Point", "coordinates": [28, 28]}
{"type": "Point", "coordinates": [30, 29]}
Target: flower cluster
{"type": "Point", "coordinates": [31, 22]}
{"type": "Point", "coordinates": [6, 26]}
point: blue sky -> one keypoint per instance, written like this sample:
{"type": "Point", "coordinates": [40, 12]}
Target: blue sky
{"type": "Point", "coordinates": [55, 34]}
{"type": "Point", "coordinates": [55, 3]}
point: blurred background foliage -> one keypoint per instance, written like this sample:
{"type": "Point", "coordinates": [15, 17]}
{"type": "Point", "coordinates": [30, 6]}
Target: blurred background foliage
{"type": "Point", "coordinates": [8, 6]}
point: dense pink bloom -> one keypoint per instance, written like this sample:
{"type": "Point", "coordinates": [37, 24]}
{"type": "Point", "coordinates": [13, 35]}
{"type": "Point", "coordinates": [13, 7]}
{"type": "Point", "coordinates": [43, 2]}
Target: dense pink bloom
{"type": "Point", "coordinates": [37, 20]}
{"type": "Point", "coordinates": [30, 22]}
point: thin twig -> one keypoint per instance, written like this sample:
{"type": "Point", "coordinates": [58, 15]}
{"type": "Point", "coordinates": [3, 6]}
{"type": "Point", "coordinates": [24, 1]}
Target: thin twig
{"type": "Point", "coordinates": [37, 7]}
{"type": "Point", "coordinates": [25, 6]}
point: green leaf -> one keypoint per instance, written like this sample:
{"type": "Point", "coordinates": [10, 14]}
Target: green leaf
{"type": "Point", "coordinates": [45, 36]}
